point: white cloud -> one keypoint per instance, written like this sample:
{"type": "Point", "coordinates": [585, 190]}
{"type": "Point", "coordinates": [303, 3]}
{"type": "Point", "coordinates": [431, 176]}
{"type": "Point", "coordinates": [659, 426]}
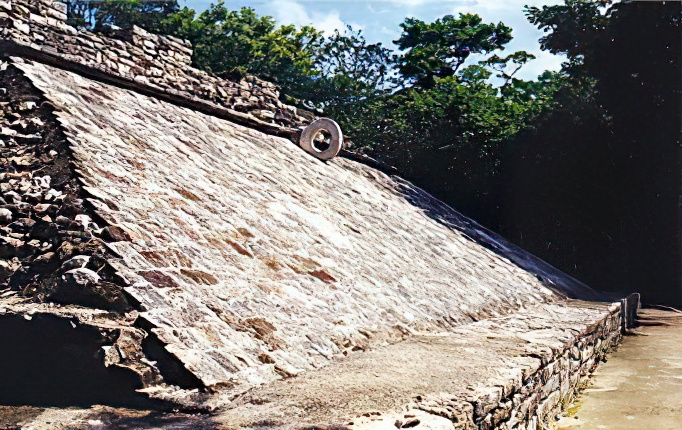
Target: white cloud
{"type": "Point", "coordinates": [543, 61]}
{"type": "Point", "coordinates": [292, 12]}
{"type": "Point", "coordinates": [380, 19]}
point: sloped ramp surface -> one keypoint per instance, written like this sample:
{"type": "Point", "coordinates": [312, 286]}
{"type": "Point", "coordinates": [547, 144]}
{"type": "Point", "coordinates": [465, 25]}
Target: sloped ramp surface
{"type": "Point", "coordinates": [252, 260]}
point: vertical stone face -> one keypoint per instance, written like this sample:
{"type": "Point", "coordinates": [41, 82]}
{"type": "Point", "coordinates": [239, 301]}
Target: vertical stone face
{"type": "Point", "coordinates": [142, 58]}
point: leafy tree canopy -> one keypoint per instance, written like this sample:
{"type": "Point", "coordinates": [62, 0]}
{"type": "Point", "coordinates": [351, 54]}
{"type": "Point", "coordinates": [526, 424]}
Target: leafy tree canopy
{"type": "Point", "coordinates": [228, 42]}
{"type": "Point", "coordinates": [438, 49]}
{"type": "Point", "coordinates": [571, 27]}
{"type": "Point", "coordinates": [351, 69]}
{"type": "Point", "coordinates": [121, 13]}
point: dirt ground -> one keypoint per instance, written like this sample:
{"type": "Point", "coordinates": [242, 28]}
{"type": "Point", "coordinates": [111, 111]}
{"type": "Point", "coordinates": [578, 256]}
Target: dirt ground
{"type": "Point", "coordinates": [317, 397]}
{"type": "Point", "coordinates": [640, 387]}
{"type": "Point", "coordinates": [98, 418]}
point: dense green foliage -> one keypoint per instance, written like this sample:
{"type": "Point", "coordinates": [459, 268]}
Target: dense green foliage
{"type": "Point", "coordinates": [438, 49]}
{"type": "Point", "coordinates": [228, 42]}
{"type": "Point", "coordinates": [100, 14]}
{"type": "Point", "coordinates": [580, 166]}
{"type": "Point", "coordinates": [608, 154]}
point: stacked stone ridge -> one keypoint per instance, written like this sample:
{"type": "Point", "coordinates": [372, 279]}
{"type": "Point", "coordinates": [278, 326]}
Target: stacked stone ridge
{"type": "Point", "coordinates": [162, 65]}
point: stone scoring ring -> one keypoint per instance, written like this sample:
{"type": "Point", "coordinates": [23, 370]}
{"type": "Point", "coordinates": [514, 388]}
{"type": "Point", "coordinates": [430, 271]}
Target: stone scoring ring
{"type": "Point", "coordinates": [322, 139]}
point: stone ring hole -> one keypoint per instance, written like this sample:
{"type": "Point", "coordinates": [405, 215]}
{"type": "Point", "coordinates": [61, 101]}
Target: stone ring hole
{"type": "Point", "coordinates": [322, 139]}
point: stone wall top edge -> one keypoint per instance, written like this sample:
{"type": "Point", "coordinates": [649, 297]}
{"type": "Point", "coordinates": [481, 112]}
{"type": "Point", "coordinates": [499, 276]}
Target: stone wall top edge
{"type": "Point", "coordinates": [158, 61]}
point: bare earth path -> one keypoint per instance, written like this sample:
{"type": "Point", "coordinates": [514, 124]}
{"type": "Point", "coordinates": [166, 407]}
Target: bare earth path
{"type": "Point", "coordinates": [640, 387]}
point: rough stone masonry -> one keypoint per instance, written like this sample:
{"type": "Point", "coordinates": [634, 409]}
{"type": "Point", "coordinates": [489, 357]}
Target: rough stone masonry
{"type": "Point", "coordinates": [161, 66]}
{"type": "Point", "coordinates": [226, 269]}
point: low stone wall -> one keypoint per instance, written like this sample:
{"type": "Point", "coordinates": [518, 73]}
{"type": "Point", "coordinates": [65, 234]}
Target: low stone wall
{"type": "Point", "coordinates": [37, 29]}
{"type": "Point", "coordinates": [564, 372]}
{"type": "Point", "coordinates": [530, 394]}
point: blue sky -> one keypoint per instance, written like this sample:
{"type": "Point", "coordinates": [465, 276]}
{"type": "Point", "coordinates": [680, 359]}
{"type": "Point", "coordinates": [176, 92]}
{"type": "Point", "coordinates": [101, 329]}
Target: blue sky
{"type": "Point", "coordinates": [380, 19]}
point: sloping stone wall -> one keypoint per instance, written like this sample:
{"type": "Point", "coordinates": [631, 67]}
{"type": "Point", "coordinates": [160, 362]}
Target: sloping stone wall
{"type": "Point", "coordinates": [244, 261]}
{"type": "Point", "coordinates": [252, 260]}
{"type": "Point", "coordinates": [38, 29]}
{"type": "Point", "coordinates": [249, 261]}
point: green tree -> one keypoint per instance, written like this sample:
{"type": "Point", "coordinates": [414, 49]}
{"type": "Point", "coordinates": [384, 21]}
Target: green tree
{"type": "Point", "coordinates": [438, 49]}
{"type": "Point", "coordinates": [228, 42]}
{"type": "Point", "coordinates": [571, 28]}
{"type": "Point", "coordinates": [104, 14]}
{"type": "Point", "coordinates": [454, 137]}
{"type": "Point", "coordinates": [80, 13]}
{"type": "Point", "coordinates": [500, 64]}
{"type": "Point", "coordinates": [351, 70]}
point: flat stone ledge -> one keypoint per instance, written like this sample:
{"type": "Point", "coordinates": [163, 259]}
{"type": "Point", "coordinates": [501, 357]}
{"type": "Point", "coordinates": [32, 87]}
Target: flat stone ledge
{"type": "Point", "coordinates": [514, 372]}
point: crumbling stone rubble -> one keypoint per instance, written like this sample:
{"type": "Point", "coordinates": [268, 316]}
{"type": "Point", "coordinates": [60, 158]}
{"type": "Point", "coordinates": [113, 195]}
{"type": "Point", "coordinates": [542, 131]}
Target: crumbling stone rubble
{"type": "Point", "coordinates": [50, 245]}
{"type": "Point", "coordinates": [135, 58]}
{"type": "Point", "coordinates": [53, 252]}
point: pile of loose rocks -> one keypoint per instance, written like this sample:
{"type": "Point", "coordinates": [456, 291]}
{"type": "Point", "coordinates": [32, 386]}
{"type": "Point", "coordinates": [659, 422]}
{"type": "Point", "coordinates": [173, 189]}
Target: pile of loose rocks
{"type": "Point", "coordinates": [51, 248]}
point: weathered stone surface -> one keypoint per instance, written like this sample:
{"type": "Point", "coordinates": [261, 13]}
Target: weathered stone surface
{"type": "Point", "coordinates": [5, 216]}
{"type": "Point", "coordinates": [268, 262]}
{"type": "Point", "coordinates": [482, 375]}
{"type": "Point", "coordinates": [639, 387]}
{"type": "Point", "coordinates": [251, 262]}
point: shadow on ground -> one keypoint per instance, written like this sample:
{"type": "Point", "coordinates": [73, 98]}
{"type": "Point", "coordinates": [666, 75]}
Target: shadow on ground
{"type": "Point", "coordinates": [47, 362]}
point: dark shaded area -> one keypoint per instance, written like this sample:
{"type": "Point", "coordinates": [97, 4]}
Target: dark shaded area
{"type": "Point", "coordinates": [551, 277]}
{"type": "Point", "coordinates": [48, 362]}
{"type": "Point", "coordinates": [596, 188]}
{"type": "Point", "coordinates": [173, 371]}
